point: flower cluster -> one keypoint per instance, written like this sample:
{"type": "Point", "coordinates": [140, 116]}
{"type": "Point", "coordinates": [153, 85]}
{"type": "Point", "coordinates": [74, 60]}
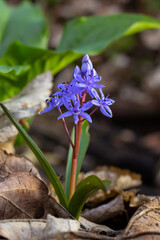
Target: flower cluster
{"type": "Point", "coordinates": [72, 95]}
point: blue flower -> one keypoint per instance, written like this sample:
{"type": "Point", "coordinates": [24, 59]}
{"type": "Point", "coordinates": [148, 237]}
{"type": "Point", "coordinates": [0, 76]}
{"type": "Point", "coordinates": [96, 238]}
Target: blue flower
{"type": "Point", "coordinates": [55, 102]}
{"type": "Point", "coordinates": [87, 65]}
{"type": "Point", "coordinates": [87, 77]}
{"type": "Point", "coordinates": [89, 82]}
{"type": "Point", "coordinates": [77, 111]}
{"type": "Point", "coordinates": [103, 103]}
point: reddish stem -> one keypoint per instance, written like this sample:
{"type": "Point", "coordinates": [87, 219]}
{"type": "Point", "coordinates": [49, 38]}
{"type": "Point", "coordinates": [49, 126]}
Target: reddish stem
{"type": "Point", "coordinates": [74, 165]}
{"type": "Point", "coordinates": [94, 110]}
{"type": "Point", "coordinates": [78, 128]}
{"type": "Point", "coordinates": [66, 129]}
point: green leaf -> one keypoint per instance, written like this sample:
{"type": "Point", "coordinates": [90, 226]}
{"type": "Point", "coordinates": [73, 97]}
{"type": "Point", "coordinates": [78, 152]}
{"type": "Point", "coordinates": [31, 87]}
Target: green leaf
{"type": "Point", "coordinates": [25, 23]}
{"type": "Point", "coordinates": [85, 139]}
{"type": "Point", "coordinates": [89, 35]}
{"type": "Point", "coordinates": [92, 35]}
{"type": "Point", "coordinates": [41, 158]}
{"type": "Point", "coordinates": [83, 191]}
{"type": "Point", "coordinates": [16, 72]}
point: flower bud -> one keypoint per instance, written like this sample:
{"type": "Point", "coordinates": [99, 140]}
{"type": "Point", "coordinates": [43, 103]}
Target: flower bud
{"type": "Point", "coordinates": [87, 65]}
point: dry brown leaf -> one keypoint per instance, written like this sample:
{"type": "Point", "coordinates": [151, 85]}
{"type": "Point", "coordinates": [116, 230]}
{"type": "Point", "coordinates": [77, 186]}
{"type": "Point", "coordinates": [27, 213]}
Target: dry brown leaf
{"type": "Point", "coordinates": [145, 223]}
{"type": "Point", "coordinates": [37, 229]}
{"type": "Point", "coordinates": [21, 196]}
{"type": "Point", "coordinates": [10, 163]}
{"type": "Point", "coordinates": [55, 225]}
{"type": "Point", "coordinates": [53, 228]}
{"type": "Point", "coordinates": [25, 104]}
{"type": "Point", "coordinates": [105, 211]}
{"type": "Point", "coordinates": [22, 193]}
{"type": "Point", "coordinates": [22, 229]}
{"type": "Point", "coordinates": [96, 228]}
{"type": "Point", "coordinates": [51, 206]}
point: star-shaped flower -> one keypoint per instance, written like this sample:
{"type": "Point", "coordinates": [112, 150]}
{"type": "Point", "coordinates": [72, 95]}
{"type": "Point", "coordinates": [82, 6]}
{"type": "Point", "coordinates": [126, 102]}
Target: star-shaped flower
{"type": "Point", "coordinates": [103, 103]}
{"type": "Point", "coordinates": [52, 103]}
{"type": "Point", "coordinates": [77, 111]}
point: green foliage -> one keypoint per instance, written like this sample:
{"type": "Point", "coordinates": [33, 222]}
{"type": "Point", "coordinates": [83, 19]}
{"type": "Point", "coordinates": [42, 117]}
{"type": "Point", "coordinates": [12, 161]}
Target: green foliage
{"type": "Point", "coordinates": [41, 158]}
{"type": "Point", "coordinates": [25, 23]}
{"type": "Point", "coordinates": [92, 35]}
{"type": "Point", "coordinates": [16, 72]}
{"type": "Point", "coordinates": [85, 138]}
{"type": "Point", "coordinates": [123, 45]}
{"type": "Point", "coordinates": [83, 191]}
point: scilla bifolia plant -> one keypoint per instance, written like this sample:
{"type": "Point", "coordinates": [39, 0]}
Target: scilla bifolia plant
{"type": "Point", "coordinates": [73, 97]}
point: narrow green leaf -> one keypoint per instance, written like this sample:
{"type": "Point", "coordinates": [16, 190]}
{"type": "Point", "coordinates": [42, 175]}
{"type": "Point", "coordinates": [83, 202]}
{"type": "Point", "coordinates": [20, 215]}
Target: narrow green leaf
{"type": "Point", "coordinates": [25, 22]}
{"type": "Point", "coordinates": [41, 158]}
{"type": "Point", "coordinates": [92, 35]}
{"type": "Point", "coordinates": [85, 138]}
{"type": "Point", "coordinates": [84, 143]}
{"type": "Point", "coordinates": [83, 191]}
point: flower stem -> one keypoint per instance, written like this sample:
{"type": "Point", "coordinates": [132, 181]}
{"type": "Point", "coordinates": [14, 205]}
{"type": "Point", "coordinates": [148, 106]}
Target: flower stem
{"type": "Point", "coordinates": [74, 164]}
{"type": "Point", "coordinates": [94, 111]}
{"type": "Point", "coordinates": [78, 128]}
{"type": "Point", "coordinates": [66, 129]}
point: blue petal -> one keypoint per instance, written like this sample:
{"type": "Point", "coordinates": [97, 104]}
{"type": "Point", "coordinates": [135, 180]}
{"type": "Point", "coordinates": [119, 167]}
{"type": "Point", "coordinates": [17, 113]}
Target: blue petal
{"type": "Point", "coordinates": [95, 102]}
{"type": "Point", "coordinates": [89, 89]}
{"type": "Point", "coordinates": [79, 79]}
{"type": "Point", "coordinates": [98, 86]}
{"type": "Point", "coordinates": [96, 79]}
{"type": "Point", "coordinates": [94, 73]}
{"type": "Point", "coordinates": [76, 118]}
{"type": "Point", "coordinates": [66, 114]}
{"type": "Point", "coordinates": [58, 94]}
{"type": "Point", "coordinates": [82, 85]}
{"type": "Point", "coordinates": [86, 116]}
{"type": "Point", "coordinates": [76, 71]}
{"type": "Point", "coordinates": [96, 94]}
{"type": "Point", "coordinates": [67, 102]}
{"type": "Point", "coordinates": [86, 106]}
{"type": "Point", "coordinates": [108, 110]}
{"type": "Point", "coordinates": [109, 101]}
{"type": "Point", "coordinates": [62, 87]}
{"type": "Point", "coordinates": [87, 65]}
{"type": "Point", "coordinates": [104, 112]}
{"type": "Point", "coordinates": [102, 94]}
{"type": "Point", "coordinates": [46, 110]}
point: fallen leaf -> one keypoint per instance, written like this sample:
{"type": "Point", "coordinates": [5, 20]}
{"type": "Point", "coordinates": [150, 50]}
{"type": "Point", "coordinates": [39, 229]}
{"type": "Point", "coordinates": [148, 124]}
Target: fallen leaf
{"type": "Point", "coordinates": [55, 225]}
{"type": "Point", "coordinates": [18, 229]}
{"type": "Point", "coordinates": [51, 206]}
{"type": "Point", "coordinates": [105, 211]}
{"type": "Point", "coordinates": [52, 228]}
{"type": "Point", "coordinates": [21, 196]}
{"type": "Point", "coordinates": [10, 163]}
{"type": "Point", "coordinates": [145, 223]}
{"type": "Point", "coordinates": [25, 104]}
{"type": "Point", "coordinates": [97, 228]}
